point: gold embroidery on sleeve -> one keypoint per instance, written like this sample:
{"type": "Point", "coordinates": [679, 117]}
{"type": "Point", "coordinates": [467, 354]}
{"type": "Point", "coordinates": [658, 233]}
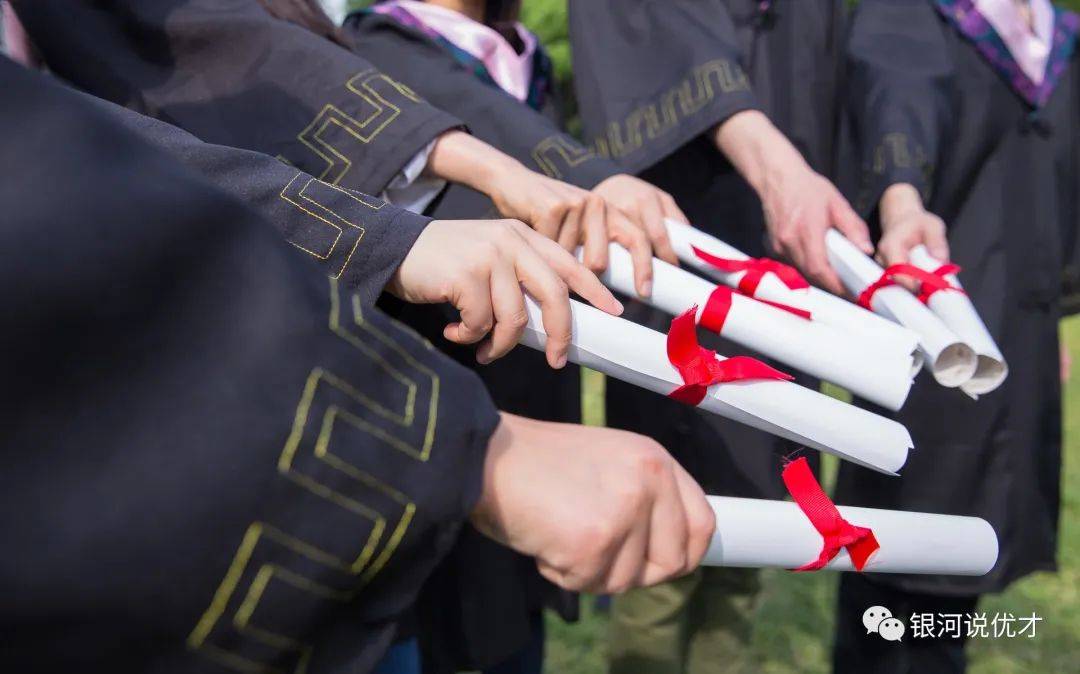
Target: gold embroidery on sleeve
{"type": "Point", "coordinates": [656, 118]}
{"type": "Point", "coordinates": [312, 196]}
{"type": "Point", "coordinates": [270, 560]}
{"type": "Point", "coordinates": [894, 150]}
{"type": "Point", "coordinates": [560, 151]}
{"type": "Point", "coordinates": [333, 132]}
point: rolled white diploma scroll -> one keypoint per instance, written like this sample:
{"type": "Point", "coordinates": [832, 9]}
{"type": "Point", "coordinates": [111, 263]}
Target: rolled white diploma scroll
{"type": "Point", "coordinates": [825, 307]}
{"type": "Point", "coordinates": [638, 355]}
{"type": "Point", "coordinates": [843, 358]}
{"type": "Point", "coordinates": [949, 359]}
{"type": "Point", "coordinates": [957, 312]}
{"type": "Point", "coordinates": [758, 533]}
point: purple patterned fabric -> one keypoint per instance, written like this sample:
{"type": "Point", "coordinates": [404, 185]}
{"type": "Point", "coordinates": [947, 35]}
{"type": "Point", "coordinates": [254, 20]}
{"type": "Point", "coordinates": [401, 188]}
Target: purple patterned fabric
{"type": "Point", "coordinates": [967, 19]}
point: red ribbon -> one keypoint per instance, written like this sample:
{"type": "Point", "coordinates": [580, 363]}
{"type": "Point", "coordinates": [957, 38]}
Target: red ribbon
{"type": "Point", "coordinates": [822, 513]}
{"type": "Point", "coordinates": [717, 307]}
{"type": "Point", "coordinates": [801, 313]}
{"type": "Point", "coordinates": [930, 281]}
{"type": "Point", "coordinates": [715, 312]}
{"type": "Point", "coordinates": [755, 268]}
{"type": "Point", "coordinates": [699, 367]}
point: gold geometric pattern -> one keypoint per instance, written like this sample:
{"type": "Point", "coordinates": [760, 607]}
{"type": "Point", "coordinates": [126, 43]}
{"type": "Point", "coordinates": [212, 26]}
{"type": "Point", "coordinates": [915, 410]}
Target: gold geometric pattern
{"type": "Point", "coordinates": [559, 151]}
{"type": "Point", "coordinates": [333, 130]}
{"type": "Point", "coordinates": [652, 120]}
{"type": "Point", "coordinates": [894, 150]}
{"type": "Point", "coordinates": [311, 196]}
{"type": "Point", "coordinates": [234, 630]}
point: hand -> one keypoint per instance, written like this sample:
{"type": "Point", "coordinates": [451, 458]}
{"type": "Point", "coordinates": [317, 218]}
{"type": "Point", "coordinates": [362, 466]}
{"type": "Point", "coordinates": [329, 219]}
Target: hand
{"type": "Point", "coordinates": [601, 510]}
{"type": "Point", "coordinates": [574, 217]}
{"type": "Point", "coordinates": [480, 266]}
{"type": "Point", "coordinates": [800, 205]}
{"type": "Point", "coordinates": [906, 224]}
{"type": "Point", "coordinates": [646, 206]}
{"type": "Point", "coordinates": [561, 212]}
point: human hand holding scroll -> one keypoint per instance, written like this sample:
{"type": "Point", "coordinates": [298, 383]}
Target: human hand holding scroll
{"type": "Point", "coordinates": [561, 212]}
{"type": "Point", "coordinates": [604, 510]}
{"type": "Point", "coordinates": [601, 510]}
{"type": "Point", "coordinates": [905, 224]}
{"type": "Point", "coordinates": [800, 205]}
{"type": "Point", "coordinates": [481, 267]}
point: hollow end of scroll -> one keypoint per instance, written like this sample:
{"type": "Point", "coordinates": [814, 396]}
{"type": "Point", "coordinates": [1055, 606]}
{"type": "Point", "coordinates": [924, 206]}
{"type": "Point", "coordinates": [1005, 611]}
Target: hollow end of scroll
{"type": "Point", "coordinates": [955, 365]}
{"type": "Point", "coordinates": [990, 373]}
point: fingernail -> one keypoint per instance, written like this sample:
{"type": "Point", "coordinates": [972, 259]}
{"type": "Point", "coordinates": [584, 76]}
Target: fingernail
{"type": "Point", "coordinates": [619, 308]}
{"type": "Point", "coordinates": [560, 361]}
{"type": "Point", "coordinates": [646, 289]}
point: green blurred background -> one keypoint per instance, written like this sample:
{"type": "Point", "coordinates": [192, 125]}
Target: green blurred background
{"type": "Point", "coordinates": [794, 620]}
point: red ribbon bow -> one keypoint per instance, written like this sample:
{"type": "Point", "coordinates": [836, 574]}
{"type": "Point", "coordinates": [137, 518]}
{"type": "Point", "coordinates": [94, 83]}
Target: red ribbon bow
{"type": "Point", "coordinates": [755, 268]}
{"type": "Point", "coordinates": [699, 367]}
{"type": "Point", "coordinates": [930, 281]}
{"type": "Point", "coordinates": [717, 307]}
{"type": "Point", "coordinates": [822, 513]}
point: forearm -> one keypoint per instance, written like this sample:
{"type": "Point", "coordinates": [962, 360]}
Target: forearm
{"type": "Point", "coordinates": [493, 117]}
{"type": "Point", "coordinates": [898, 201]}
{"type": "Point", "coordinates": [463, 159]}
{"type": "Point", "coordinates": [905, 223]}
{"type": "Point", "coordinates": [757, 149]}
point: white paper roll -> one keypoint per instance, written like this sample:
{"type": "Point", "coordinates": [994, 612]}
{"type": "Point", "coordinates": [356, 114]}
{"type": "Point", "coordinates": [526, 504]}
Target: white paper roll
{"type": "Point", "coordinates": [846, 359]}
{"type": "Point", "coordinates": [758, 533]}
{"type": "Point", "coordinates": [638, 355]}
{"type": "Point", "coordinates": [948, 358]}
{"type": "Point", "coordinates": [957, 312]}
{"type": "Point", "coordinates": [827, 308]}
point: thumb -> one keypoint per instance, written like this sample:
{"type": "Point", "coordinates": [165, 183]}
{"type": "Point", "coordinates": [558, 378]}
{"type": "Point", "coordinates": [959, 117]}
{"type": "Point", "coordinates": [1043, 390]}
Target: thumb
{"type": "Point", "coordinates": [937, 241]}
{"type": "Point", "coordinates": [845, 219]}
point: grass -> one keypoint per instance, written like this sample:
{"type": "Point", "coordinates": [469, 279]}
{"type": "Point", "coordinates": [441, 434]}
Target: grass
{"type": "Point", "coordinates": [795, 617]}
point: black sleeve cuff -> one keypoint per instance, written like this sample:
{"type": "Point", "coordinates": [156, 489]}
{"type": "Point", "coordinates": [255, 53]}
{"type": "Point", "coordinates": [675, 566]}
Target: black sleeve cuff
{"type": "Point", "coordinates": [894, 159]}
{"type": "Point", "coordinates": [380, 252]}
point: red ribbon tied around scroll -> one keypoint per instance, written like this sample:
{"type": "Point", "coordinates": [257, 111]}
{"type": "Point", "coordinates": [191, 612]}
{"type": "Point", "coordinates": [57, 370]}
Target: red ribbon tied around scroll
{"type": "Point", "coordinates": [822, 513]}
{"type": "Point", "coordinates": [755, 268]}
{"type": "Point", "coordinates": [699, 367]}
{"type": "Point", "coordinates": [930, 281]}
{"type": "Point", "coordinates": [718, 306]}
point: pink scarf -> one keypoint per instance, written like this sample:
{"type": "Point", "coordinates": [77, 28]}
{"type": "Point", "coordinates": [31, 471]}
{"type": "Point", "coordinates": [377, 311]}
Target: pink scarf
{"type": "Point", "coordinates": [1029, 44]}
{"type": "Point", "coordinates": [17, 42]}
{"type": "Point", "coordinates": [510, 70]}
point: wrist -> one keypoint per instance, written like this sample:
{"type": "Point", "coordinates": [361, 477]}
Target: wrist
{"type": "Point", "coordinates": [757, 149]}
{"type": "Point", "coordinates": [899, 201]}
{"type": "Point", "coordinates": [460, 158]}
{"type": "Point", "coordinates": [496, 176]}
{"type": "Point", "coordinates": [484, 515]}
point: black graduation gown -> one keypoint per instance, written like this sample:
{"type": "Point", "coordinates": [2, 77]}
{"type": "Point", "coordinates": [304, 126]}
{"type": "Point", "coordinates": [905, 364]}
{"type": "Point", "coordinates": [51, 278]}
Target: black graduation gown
{"type": "Point", "coordinates": [230, 73]}
{"type": "Point", "coordinates": [356, 238]}
{"type": "Point", "coordinates": [215, 461]}
{"type": "Point", "coordinates": [479, 606]}
{"type": "Point", "coordinates": [926, 108]}
{"type": "Point", "coordinates": [534, 137]}
{"type": "Point", "coordinates": [652, 79]}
